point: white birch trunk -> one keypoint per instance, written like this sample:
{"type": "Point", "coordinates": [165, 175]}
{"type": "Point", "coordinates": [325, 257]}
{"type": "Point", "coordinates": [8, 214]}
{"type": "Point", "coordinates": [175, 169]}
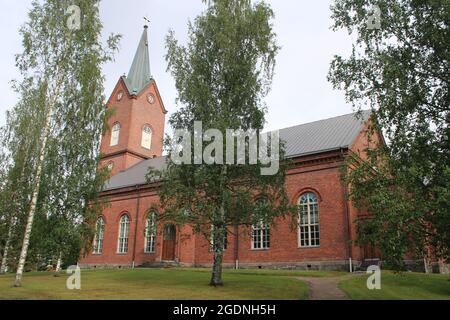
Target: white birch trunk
{"type": "Point", "coordinates": [218, 236]}
{"type": "Point", "coordinates": [426, 265]}
{"type": "Point", "coordinates": [58, 265]}
{"type": "Point", "coordinates": [26, 238]}
{"type": "Point", "coordinates": [3, 267]}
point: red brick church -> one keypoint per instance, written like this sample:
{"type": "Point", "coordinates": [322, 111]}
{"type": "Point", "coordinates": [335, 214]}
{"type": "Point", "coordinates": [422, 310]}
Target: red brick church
{"type": "Point", "coordinates": [134, 143]}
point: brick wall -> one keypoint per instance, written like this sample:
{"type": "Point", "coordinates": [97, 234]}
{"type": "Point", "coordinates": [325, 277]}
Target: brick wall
{"type": "Point", "coordinates": [133, 113]}
{"type": "Point", "coordinates": [318, 174]}
{"type": "Point", "coordinates": [324, 180]}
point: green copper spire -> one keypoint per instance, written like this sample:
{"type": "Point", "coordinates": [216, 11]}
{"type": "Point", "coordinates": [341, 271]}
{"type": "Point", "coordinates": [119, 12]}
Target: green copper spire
{"type": "Point", "coordinates": [139, 75]}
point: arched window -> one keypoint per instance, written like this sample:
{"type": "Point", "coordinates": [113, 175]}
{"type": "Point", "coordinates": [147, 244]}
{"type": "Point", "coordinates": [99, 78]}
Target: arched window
{"type": "Point", "coordinates": [260, 231]}
{"type": "Point", "coordinates": [150, 233]}
{"type": "Point", "coordinates": [124, 229]}
{"type": "Point", "coordinates": [99, 235]}
{"type": "Point", "coordinates": [115, 134]}
{"type": "Point", "coordinates": [146, 137]}
{"type": "Point", "coordinates": [309, 230]}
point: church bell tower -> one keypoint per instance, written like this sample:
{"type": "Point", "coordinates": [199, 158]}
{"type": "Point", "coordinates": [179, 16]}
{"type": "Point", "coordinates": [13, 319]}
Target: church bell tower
{"type": "Point", "coordinates": [136, 124]}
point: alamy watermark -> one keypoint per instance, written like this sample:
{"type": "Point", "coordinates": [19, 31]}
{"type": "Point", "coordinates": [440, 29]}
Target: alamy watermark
{"type": "Point", "coordinates": [374, 20]}
{"type": "Point", "coordinates": [74, 19]}
{"type": "Point", "coordinates": [374, 281]}
{"type": "Point", "coordinates": [262, 148]}
{"type": "Point", "coordinates": [74, 280]}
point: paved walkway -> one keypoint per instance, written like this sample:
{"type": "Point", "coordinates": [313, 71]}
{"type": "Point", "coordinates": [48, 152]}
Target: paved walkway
{"type": "Point", "coordinates": [324, 288]}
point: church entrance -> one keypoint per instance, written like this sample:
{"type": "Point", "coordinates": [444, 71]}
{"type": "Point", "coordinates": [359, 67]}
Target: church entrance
{"type": "Point", "coordinates": [169, 238]}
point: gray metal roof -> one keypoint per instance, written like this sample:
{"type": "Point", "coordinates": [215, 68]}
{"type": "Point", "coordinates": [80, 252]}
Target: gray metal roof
{"type": "Point", "coordinates": [305, 139]}
{"type": "Point", "coordinates": [323, 135]}
{"type": "Point", "coordinates": [135, 175]}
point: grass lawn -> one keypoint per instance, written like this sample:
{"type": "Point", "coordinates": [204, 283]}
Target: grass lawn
{"type": "Point", "coordinates": [160, 284]}
{"type": "Point", "coordinates": [404, 286]}
{"type": "Point", "coordinates": [192, 284]}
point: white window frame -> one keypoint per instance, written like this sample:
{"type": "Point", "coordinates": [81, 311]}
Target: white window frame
{"type": "Point", "coordinates": [261, 233]}
{"type": "Point", "coordinates": [150, 237]}
{"type": "Point", "coordinates": [309, 228]}
{"type": "Point", "coordinates": [146, 139]}
{"type": "Point", "coordinates": [115, 134]}
{"type": "Point", "coordinates": [124, 230]}
{"type": "Point", "coordinates": [99, 236]}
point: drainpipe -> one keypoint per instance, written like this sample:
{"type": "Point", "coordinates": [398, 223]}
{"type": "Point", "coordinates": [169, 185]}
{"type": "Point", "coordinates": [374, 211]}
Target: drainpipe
{"type": "Point", "coordinates": [136, 225]}
{"type": "Point", "coordinates": [347, 212]}
{"type": "Point", "coordinates": [236, 247]}
{"type": "Point", "coordinates": [177, 244]}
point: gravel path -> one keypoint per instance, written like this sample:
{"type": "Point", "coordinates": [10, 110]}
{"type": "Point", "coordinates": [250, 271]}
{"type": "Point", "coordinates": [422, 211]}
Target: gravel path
{"type": "Point", "coordinates": [324, 288]}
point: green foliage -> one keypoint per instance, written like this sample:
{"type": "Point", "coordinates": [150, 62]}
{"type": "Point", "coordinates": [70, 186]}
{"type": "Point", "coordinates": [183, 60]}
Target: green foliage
{"type": "Point", "coordinates": [20, 147]}
{"type": "Point", "coordinates": [222, 76]}
{"type": "Point", "coordinates": [401, 71]}
{"type": "Point", "coordinates": [61, 71]}
{"type": "Point", "coordinates": [397, 224]}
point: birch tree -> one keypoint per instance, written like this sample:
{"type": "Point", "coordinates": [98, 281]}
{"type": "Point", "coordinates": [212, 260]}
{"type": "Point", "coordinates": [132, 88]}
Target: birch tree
{"type": "Point", "coordinates": [62, 59]}
{"type": "Point", "coordinates": [222, 76]}
{"type": "Point", "coordinates": [20, 140]}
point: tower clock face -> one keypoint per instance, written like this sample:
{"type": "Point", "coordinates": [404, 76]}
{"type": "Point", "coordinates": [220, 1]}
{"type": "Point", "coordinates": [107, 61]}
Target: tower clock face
{"type": "Point", "coordinates": [151, 98]}
{"type": "Point", "coordinates": [120, 95]}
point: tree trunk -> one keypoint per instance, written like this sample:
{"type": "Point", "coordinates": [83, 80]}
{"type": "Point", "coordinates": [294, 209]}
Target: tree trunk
{"type": "Point", "coordinates": [426, 265]}
{"type": "Point", "coordinates": [219, 234]}
{"type": "Point", "coordinates": [26, 238]}
{"type": "Point", "coordinates": [216, 279]}
{"type": "Point", "coordinates": [3, 267]}
{"type": "Point", "coordinates": [58, 265]}
{"type": "Point", "coordinates": [218, 245]}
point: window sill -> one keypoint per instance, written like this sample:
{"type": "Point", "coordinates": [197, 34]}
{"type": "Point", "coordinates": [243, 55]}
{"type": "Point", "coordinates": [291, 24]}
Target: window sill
{"type": "Point", "coordinates": [122, 254]}
{"type": "Point", "coordinates": [263, 249]}
{"type": "Point", "coordinates": [310, 247]}
{"type": "Point", "coordinates": [148, 253]}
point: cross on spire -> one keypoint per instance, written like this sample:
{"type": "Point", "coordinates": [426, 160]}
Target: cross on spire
{"type": "Point", "coordinates": [147, 20]}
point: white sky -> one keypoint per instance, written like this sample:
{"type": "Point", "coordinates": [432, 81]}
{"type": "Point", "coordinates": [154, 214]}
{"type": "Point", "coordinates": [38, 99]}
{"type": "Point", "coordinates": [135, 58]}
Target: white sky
{"type": "Point", "coordinates": [300, 91]}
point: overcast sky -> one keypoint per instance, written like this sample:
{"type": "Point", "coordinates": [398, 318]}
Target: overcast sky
{"type": "Point", "coordinates": [300, 91]}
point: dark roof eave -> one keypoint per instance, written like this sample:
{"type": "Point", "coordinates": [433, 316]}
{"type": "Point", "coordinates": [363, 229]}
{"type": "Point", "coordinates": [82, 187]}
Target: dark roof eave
{"type": "Point", "coordinates": [289, 157]}
{"type": "Point", "coordinates": [136, 186]}
{"type": "Point", "coordinates": [316, 152]}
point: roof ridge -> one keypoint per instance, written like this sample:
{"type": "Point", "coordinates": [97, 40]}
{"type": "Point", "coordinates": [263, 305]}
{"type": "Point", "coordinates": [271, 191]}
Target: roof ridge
{"type": "Point", "coordinates": [322, 120]}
